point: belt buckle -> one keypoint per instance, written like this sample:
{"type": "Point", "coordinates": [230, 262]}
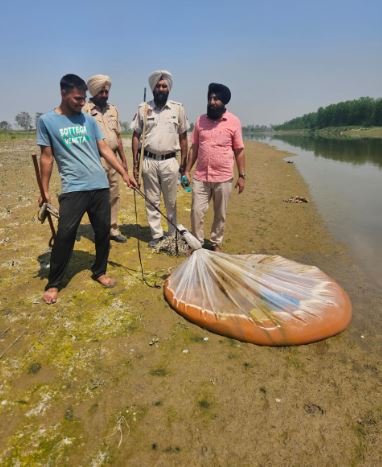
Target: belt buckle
{"type": "Point", "coordinates": [158, 157]}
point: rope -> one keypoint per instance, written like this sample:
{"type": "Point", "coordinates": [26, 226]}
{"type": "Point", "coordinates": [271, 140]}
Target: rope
{"type": "Point", "coordinates": [157, 209]}
{"type": "Point", "coordinates": [153, 286]}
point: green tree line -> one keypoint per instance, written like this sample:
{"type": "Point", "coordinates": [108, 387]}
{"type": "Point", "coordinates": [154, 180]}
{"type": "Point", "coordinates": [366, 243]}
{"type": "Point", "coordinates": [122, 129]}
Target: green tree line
{"type": "Point", "coordinates": [251, 130]}
{"type": "Point", "coordinates": [364, 111]}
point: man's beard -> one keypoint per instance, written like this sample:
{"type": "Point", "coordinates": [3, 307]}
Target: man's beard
{"type": "Point", "coordinates": [100, 102]}
{"type": "Point", "coordinates": [214, 113]}
{"type": "Point", "coordinates": [160, 98]}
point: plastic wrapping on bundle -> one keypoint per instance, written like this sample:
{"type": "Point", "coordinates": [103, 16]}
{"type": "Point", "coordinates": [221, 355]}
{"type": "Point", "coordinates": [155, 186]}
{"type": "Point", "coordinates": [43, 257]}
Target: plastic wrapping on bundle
{"type": "Point", "coordinates": [267, 300]}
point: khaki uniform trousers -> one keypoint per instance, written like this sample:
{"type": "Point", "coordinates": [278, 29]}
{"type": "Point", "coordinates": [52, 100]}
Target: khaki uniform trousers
{"type": "Point", "coordinates": [160, 177]}
{"type": "Point", "coordinates": [202, 192]}
{"type": "Point", "coordinates": [113, 177]}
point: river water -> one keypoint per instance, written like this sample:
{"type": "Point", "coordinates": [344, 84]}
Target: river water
{"type": "Point", "coordinates": [345, 179]}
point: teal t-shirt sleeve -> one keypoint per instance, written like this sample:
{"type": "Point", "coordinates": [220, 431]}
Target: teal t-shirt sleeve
{"type": "Point", "coordinates": [42, 135]}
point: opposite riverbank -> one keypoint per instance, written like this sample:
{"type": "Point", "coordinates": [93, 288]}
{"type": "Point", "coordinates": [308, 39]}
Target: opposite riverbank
{"type": "Point", "coordinates": [116, 377]}
{"type": "Point", "coordinates": [332, 132]}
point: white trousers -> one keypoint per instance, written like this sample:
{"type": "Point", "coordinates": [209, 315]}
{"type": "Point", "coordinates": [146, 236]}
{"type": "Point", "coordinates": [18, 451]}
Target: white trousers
{"type": "Point", "coordinates": [160, 177]}
{"type": "Point", "coordinates": [202, 192]}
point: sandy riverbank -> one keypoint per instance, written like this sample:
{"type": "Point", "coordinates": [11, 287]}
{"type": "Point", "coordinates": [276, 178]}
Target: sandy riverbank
{"type": "Point", "coordinates": [101, 377]}
{"type": "Point", "coordinates": [353, 132]}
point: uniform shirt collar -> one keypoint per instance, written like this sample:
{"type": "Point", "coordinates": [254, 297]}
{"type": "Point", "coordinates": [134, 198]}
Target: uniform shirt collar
{"type": "Point", "coordinates": [93, 107]}
{"type": "Point", "coordinates": [167, 105]}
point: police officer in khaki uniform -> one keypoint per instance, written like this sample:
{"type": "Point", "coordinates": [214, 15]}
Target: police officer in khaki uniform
{"type": "Point", "coordinates": [106, 116]}
{"type": "Point", "coordinates": [166, 133]}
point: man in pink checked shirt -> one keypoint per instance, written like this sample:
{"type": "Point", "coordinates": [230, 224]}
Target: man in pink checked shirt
{"type": "Point", "coordinates": [216, 143]}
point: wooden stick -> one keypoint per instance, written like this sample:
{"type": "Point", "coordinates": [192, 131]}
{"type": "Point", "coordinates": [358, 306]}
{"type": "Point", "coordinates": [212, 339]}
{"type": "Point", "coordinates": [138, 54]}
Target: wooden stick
{"type": "Point", "coordinates": [43, 197]}
{"type": "Point", "coordinates": [143, 135]}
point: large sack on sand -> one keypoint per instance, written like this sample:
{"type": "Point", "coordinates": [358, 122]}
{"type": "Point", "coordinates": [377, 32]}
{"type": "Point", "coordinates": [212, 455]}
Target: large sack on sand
{"type": "Point", "coordinates": [267, 300]}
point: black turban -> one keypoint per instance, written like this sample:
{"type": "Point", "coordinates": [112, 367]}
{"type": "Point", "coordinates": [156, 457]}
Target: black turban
{"type": "Point", "coordinates": [222, 92]}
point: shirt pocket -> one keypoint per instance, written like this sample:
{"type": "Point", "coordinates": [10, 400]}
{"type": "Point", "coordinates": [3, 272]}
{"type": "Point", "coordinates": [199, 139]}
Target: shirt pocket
{"type": "Point", "coordinates": [173, 126]}
{"type": "Point", "coordinates": [113, 123]}
{"type": "Point", "coordinates": [222, 137]}
{"type": "Point", "coordinates": [150, 122]}
{"type": "Point", "coordinates": [205, 136]}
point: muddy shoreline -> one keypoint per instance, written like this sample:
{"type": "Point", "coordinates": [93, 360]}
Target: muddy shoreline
{"type": "Point", "coordinates": [117, 377]}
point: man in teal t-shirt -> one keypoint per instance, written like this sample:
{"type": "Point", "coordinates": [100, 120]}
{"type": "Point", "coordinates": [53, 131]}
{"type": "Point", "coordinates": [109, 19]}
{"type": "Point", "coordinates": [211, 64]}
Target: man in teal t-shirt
{"type": "Point", "coordinates": [75, 142]}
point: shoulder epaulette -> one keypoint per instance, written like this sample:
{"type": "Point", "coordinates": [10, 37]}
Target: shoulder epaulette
{"type": "Point", "coordinates": [175, 102]}
{"type": "Point", "coordinates": [143, 103]}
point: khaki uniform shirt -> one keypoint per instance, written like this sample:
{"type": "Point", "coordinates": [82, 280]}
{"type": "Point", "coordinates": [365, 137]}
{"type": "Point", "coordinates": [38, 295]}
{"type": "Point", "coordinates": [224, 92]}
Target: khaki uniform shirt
{"type": "Point", "coordinates": [163, 126]}
{"type": "Point", "coordinates": [108, 122]}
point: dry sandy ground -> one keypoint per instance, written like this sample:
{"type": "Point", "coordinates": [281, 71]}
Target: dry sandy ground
{"type": "Point", "coordinates": [101, 378]}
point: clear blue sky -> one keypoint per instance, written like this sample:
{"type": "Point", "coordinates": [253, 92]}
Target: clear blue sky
{"type": "Point", "coordinates": [280, 58]}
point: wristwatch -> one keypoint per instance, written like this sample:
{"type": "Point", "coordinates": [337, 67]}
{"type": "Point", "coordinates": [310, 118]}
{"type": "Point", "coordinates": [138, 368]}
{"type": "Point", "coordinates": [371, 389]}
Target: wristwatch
{"type": "Point", "coordinates": [242, 175]}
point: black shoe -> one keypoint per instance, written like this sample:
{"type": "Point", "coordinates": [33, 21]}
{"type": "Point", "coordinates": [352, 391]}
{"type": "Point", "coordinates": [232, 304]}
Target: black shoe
{"type": "Point", "coordinates": [153, 243]}
{"type": "Point", "coordinates": [118, 238]}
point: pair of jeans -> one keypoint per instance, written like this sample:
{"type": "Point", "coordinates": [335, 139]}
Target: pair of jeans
{"type": "Point", "coordinates": [73, 205]}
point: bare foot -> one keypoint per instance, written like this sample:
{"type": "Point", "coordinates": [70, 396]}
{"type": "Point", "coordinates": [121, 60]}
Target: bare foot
{"type": "Point", "coordinates": [50, 295]}
{"type": "Point", "coordinates": [106, 281]}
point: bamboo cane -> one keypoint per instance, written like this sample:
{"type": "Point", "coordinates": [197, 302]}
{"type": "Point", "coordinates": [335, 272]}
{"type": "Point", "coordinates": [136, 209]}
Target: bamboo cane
{"type": "Point", "coordinates": [143, 140]}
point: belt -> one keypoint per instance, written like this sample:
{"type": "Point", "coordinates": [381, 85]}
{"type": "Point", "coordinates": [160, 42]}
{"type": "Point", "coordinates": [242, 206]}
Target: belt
{"type": "Point", "coordinates": [159, 157]}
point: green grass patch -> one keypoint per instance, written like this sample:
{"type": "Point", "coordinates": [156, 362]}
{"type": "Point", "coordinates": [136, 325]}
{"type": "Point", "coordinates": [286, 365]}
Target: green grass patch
{"type": "Point", "coordinates": [16, 135]}
{"type": "Point", "coordinates": [159, 371]}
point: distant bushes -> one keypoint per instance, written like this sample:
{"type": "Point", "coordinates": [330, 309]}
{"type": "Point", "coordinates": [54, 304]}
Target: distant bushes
{"type": "Point", "coordinates": [365, 111]}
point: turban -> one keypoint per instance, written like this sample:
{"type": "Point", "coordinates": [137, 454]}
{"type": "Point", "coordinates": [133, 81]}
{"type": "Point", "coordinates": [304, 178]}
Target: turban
{"type": "Point", "coordinates": [157, 76]}
{"type": "Point", "coordinates": [222, 92]}
{"type": "Point", "coordinates": [97, 82]}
